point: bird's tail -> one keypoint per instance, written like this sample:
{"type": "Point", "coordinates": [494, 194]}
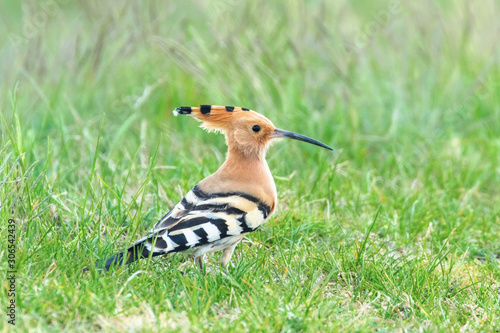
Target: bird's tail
{"type": "Point", "coordinates": [140, 250]}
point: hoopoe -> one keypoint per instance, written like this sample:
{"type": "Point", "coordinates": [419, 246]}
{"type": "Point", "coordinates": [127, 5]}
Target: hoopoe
{"type": "Point", "coordinates": [220, 210]}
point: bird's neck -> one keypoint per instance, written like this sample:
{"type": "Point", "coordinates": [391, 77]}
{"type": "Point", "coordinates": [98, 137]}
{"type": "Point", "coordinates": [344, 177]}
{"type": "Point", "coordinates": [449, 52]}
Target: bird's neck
{"type": "Point", "coordinates": [245, 166]}
{"type": "Point", "coordinates": [243, 173]}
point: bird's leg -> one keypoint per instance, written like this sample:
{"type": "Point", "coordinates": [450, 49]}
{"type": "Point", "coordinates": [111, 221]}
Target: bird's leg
{"type": "Point", "coordinates": [226, 256]}
{"type": "Point", "coordinates": [199, 261]}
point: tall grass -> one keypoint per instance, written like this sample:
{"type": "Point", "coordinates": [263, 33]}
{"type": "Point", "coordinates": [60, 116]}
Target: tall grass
{"type": "Point", "coordinates": [397, 229]}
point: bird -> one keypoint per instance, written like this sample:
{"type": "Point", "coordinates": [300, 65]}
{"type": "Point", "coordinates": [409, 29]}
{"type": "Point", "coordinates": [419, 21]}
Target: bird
{"type": "Point", "coordinates": [217, 213]}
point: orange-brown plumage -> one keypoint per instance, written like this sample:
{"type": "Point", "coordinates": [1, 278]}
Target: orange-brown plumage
{"type": "Point", "coordinates": [245, 168]}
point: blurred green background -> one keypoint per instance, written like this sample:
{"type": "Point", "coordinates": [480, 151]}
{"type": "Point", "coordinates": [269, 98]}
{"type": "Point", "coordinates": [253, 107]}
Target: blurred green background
{"type": "Point", "coordinates": [408, 94]}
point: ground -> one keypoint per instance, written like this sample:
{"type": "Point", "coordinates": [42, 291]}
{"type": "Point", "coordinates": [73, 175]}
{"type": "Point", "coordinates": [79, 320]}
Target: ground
{"type": "Point", "coordinates": [396, 230]}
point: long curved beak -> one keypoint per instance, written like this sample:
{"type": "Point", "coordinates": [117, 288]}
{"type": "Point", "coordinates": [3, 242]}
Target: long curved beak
{"type": "Point", "coordinates": [279, 133]}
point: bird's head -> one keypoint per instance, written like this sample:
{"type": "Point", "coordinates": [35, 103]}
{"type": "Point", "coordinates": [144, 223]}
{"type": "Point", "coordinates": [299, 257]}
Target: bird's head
{"type": "Point", "coordinates": [246, 131]}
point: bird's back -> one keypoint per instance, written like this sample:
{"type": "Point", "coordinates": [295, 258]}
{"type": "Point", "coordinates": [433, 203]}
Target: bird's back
{"type": "Point", "coordinates": [203, 217]}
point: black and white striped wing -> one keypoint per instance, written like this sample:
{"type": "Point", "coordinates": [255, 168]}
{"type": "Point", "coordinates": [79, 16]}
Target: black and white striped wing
{"type": "Point", "coordinates": [201, 218]}
{"type": "Point", "coordinates": [214, 219]}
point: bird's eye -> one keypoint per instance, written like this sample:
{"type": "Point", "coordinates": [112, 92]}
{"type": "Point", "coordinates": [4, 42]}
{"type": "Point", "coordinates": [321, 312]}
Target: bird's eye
{"type": "Point", "coordinates": [256, 128]}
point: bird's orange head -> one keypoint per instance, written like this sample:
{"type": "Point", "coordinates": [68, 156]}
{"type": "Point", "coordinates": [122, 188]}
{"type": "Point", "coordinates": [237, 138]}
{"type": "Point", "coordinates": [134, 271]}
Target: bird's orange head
{"type": "Point", "coordinates": [245, 130]}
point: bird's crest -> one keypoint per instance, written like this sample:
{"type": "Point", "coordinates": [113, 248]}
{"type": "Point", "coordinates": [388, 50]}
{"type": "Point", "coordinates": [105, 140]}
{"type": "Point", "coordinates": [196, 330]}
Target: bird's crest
{"type": "Point", "coordinates": [216, 117]}
{"type": "Point", "coordinates": [207, 110]}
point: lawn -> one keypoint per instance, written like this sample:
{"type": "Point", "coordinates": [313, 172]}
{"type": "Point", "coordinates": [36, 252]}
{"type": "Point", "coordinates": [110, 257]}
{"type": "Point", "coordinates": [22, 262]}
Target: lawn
{"type": "Point", "coordinates": [397, 229]}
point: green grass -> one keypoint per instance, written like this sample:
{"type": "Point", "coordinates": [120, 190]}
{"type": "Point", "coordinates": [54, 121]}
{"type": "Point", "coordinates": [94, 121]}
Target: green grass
{"type": "Point", "coordinates": [397, 230]}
